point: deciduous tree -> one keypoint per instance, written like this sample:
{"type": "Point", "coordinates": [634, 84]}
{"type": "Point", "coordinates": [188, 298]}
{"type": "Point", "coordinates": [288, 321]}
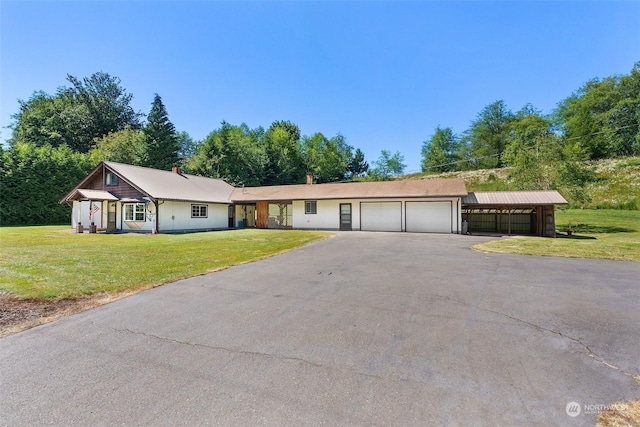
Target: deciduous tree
{"type": "Point", "coordinates": [488, 135]}
{"type": "Point", "coordinates": [75, 116]}
{"type": "Point", "coordinates": [439, 152]}
{"type": "Point", "coordinates": [388, 165]}
{"type": "Point", "coordinates": [284, 164]}
{"type": "Point", "coordinates": [124, 146]}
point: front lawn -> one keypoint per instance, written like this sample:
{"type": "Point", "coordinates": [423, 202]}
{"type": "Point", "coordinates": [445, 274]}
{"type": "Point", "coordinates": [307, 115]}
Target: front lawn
{"type": "Point", "coordinates": [603, 233]}
{"type": "Point", "coordinates": [47, 262]}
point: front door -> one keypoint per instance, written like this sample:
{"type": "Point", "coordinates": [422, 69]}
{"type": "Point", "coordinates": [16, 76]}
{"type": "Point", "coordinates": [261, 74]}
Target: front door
{"type": "Point", "coordinates": [111, 216]}
{"type": "Point", "coordinates": [345, 216]}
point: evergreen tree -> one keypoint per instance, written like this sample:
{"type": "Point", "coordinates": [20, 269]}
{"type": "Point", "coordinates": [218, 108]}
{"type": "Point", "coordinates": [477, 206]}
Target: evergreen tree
{"type": "Point", "coordinates": [357, 165]}
{"type": "Point", "coordinates": [160, 136]}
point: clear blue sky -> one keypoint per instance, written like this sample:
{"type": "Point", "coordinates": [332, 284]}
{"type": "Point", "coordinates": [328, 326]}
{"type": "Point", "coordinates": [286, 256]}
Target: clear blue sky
{"type": "Point", "coordinates": [383, 74]}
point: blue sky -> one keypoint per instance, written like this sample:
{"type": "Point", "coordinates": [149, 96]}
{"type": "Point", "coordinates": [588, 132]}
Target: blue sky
{"type": "Point", "coordinates": [383, 74]}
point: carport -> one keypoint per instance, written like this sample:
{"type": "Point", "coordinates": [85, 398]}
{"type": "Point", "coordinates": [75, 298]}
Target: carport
{"type": "Point", "coordinates": [512, 212]}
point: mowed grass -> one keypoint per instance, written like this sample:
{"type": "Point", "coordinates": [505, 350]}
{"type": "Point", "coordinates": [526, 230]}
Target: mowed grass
{"type": "Point", "coordinates": [47, 262]}
{"type": "Point", "coordinates": [605, 234]}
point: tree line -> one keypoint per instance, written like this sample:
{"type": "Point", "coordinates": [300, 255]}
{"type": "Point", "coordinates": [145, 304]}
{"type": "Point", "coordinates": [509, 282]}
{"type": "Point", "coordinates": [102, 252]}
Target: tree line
{"type": "Point", "coordinates": [600, 120]}
{"type": "Point", "coordinates": [58, 138]}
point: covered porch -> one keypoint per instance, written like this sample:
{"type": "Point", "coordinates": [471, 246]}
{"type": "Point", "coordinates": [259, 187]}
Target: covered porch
{"type": "Point", "coordinates": [93, 210]}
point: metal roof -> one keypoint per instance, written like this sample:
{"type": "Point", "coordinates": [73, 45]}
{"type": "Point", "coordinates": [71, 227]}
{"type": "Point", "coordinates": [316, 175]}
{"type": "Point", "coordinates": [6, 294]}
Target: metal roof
{"type": "Point", "coordinates": [167, 185]}
{"type": "Point", "coordinates": [156, 184]}
{"type": "Point", "coordinates": [454, 187]}
{"type": "Point", "coordinates": [86, 194]}
{"type": "Point", "coordinates": [520, 198]}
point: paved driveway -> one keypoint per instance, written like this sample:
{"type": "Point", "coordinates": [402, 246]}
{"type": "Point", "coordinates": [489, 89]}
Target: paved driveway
{"type": "Point", "coordinates": [361, 329]}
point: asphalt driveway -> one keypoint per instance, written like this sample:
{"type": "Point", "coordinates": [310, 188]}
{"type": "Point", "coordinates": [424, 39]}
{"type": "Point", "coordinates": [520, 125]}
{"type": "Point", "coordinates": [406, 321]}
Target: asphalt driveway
{"type": "Point", "coordinates": [360, 329]}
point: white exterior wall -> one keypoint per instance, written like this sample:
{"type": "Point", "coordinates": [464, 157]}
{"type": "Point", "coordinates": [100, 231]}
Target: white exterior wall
{"type": "Point", "coordinates": [144, 226]}
{"type": "Point", "coordinates": [80, 213]}
{"type": "Point", "coordinates": [328, 213]}
{"type": "Point", "coordinates": [176, 216]}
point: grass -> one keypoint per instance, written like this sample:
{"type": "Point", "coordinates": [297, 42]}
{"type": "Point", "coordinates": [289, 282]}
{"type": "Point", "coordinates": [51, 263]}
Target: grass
{"type": "Point", "coordinates": [605, 234]}
{"type": "Point", "coordinates": [48, 262]}
{"type": "Point", "coordinates": [616, 185]}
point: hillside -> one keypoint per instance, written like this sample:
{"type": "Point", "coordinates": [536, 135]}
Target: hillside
{"type": "Point", "coordinates": [616, 183]}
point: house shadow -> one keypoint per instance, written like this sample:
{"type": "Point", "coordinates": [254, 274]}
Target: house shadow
{"type": "Point", "coordinates": [574, 237]}
{"type": "Point", "coordinates": [600, 229]}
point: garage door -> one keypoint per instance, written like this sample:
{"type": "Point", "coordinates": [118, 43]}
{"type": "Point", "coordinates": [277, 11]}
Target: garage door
{"type": "Point", "coordinates": [381, 216]}
{"type": "Point", "coordinates": [429, 217]}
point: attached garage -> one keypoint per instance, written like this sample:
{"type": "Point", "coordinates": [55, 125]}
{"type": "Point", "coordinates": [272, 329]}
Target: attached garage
{"type": "Point", "coordinates": [429, 217]}
{"type": "Point", "coordinates": [381, 216]}
{"type": "Point", "coordinates": [422, 205]}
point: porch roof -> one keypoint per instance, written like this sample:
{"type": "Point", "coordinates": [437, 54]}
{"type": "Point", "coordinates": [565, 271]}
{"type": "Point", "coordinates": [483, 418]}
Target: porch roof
{"type": "Point", "coordinates": [87, 194]}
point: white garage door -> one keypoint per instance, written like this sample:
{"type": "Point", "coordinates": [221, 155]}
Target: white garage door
{"type": "Point", "coordinates": [381, 216]}
{"type": "Point", "coordinates": [429, 217]}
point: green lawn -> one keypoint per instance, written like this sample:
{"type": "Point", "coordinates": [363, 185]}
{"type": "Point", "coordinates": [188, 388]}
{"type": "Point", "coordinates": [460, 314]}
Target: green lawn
{"type": "Point", "coordinates": [604, 233]}
{"type": "Point", "coordinates": [45, 262]}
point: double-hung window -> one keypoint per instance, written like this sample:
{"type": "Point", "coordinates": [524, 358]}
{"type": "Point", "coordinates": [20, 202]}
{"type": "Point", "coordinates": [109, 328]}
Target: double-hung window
{"type": "Point", "coordinates": [134, 212]}
{"type": "Point", "coordinates": [199, 211]}
{"type": "Point", "coordinates": [311, 207]}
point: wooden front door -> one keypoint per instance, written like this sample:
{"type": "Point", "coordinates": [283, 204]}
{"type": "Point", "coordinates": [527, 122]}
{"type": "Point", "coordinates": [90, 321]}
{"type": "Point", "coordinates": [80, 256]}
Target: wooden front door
{"type": "Point", "coordinates": [345, 216]}
{"type": "Point", "coordinates": [262, 214]}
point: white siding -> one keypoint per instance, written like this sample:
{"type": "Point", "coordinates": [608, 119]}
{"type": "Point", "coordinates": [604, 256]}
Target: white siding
{"type": "Point", "coordinates": [176, 216]}
{"type": "Point", "coordinates": [80, 213]}
{"type": "Point", "coordinates": [328, 214]}
{"type": "Point", "coordinates": [429, 217]}
{"type": "Point", "coordinates": [143, 226]}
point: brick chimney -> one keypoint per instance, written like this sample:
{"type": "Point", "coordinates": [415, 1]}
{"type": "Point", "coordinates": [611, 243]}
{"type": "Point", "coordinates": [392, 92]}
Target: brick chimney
{"type": "Point", "coordinates": [177, 170]}
{"type": "Point", "coordinates": [309, 179]}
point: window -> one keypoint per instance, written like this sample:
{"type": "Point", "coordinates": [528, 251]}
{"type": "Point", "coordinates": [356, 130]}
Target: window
{"type": "Point", "coordinates": [199, 211]}
{"type": "Point", "coordinates": [111, 179]}
{"type": "Point", "coordinates": [311, 207]}
{"type": "Point", "coordinates": [134, 212]}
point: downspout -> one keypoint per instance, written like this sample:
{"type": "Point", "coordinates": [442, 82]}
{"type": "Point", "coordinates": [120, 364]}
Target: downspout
{"type": "Point", "coordinates": [155, 226]}
{"type": "Point", "coordinates": [157, 204]}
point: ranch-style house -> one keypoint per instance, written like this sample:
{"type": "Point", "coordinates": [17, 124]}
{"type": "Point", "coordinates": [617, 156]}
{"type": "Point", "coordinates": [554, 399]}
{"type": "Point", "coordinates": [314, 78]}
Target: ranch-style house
{"type": "Point", "coordinates": [116, 197]}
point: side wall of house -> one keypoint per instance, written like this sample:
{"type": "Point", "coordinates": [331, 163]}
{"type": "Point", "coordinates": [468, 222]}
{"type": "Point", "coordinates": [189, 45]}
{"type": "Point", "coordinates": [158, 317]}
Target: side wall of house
{"type": "Point", "coordinates": [176, 216]}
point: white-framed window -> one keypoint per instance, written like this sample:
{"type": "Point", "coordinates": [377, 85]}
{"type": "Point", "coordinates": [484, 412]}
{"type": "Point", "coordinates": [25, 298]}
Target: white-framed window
{"type": "Point", "coordinates": [311, 207]}
{"type": "Point", "coordinates": [199, 211]}
{"type": "Point", "coordinates": [134, 212]}
{"type": "Point", "coordinates": [111, 179]}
